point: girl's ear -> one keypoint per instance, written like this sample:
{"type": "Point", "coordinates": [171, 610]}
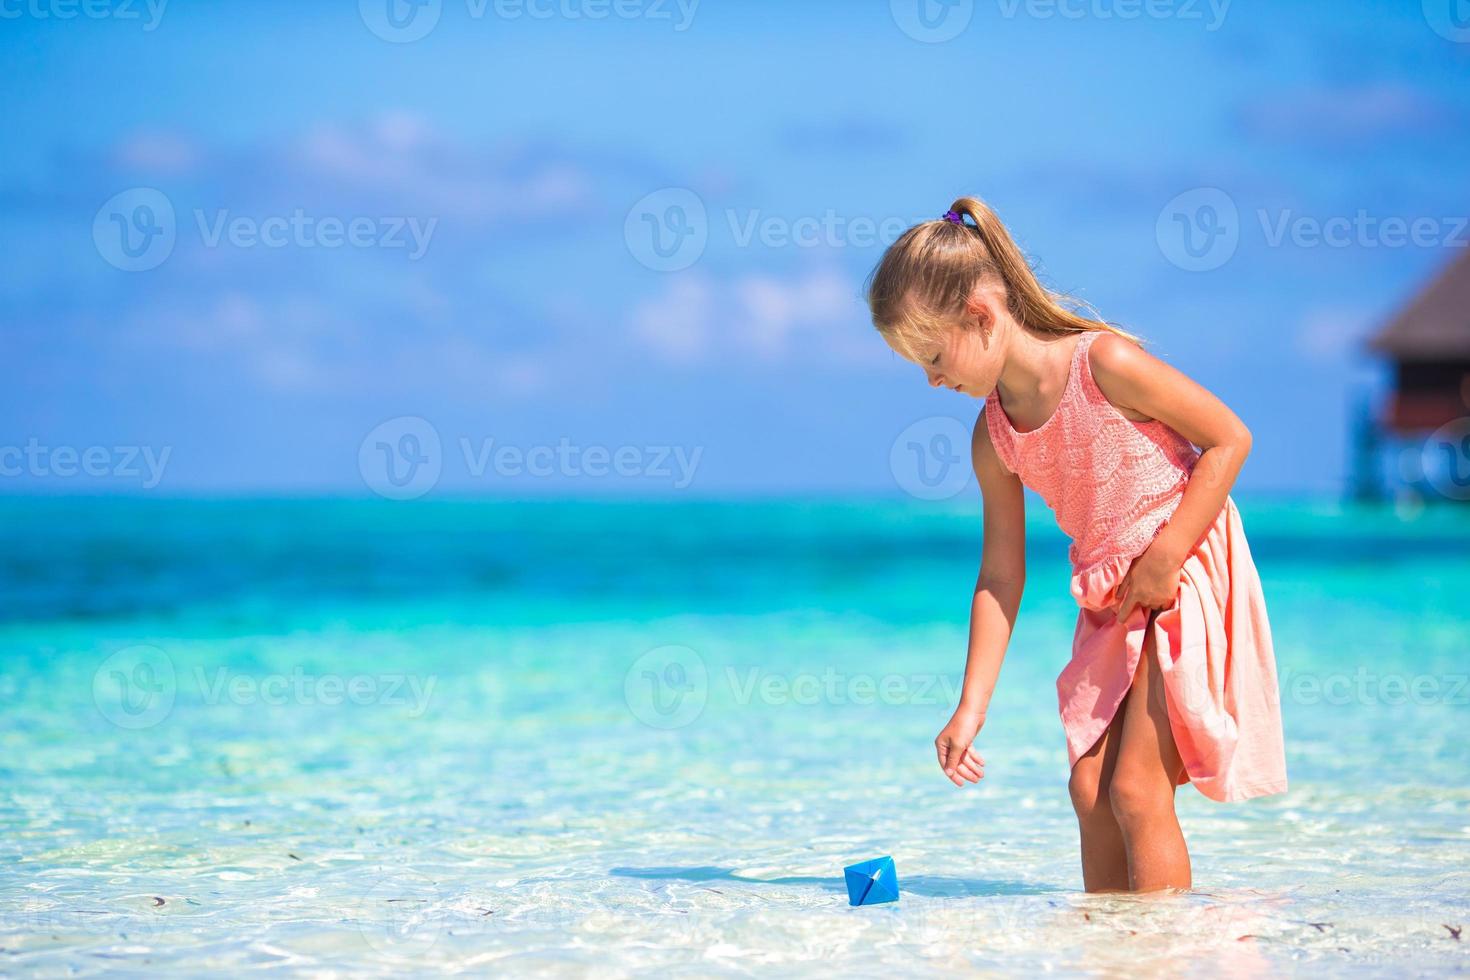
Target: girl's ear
{"type": "Point", "coordinates": [981, 305]}
{"type": "Point", "coordinates": [980, 312]}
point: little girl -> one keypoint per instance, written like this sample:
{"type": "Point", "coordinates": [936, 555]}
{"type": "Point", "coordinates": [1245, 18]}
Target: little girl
{"type": "Point", "coordinates": [1172, 677]}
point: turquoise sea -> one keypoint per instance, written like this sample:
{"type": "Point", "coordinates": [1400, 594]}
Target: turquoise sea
{"type": "Point", "coordinates": [618, 738]}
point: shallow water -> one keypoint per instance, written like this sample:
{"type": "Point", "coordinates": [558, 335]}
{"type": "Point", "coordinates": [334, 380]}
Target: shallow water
{"type": "Point", "coordinates": [369, 737]}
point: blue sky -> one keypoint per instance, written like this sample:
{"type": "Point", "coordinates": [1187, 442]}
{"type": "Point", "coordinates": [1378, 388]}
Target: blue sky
{"type": "Point", "coordinates": [524, 149]}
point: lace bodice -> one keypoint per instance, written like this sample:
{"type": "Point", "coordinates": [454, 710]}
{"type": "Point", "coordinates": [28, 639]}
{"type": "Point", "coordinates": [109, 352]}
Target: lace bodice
{"type": "Point", "coordinates": [1112, 482]}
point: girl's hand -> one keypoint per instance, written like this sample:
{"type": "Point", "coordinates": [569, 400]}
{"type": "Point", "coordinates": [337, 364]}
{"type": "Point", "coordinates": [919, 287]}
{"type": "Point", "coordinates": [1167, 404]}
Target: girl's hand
{"type": "Point", "coordinates": [1152, 582]}
{"type": "Point", "coordinates": [956, 757]}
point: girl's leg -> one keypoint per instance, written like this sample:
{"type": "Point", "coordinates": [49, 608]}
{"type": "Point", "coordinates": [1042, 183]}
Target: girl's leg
{"type": "Point", "coordinates": [1104, 860]}
{"type": "Point", "coordinates": [1143, 782]}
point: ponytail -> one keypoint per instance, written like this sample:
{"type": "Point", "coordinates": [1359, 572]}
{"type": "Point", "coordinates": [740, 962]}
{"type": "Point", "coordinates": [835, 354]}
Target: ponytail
{"type": "Point", "coordinates": [922, 282]}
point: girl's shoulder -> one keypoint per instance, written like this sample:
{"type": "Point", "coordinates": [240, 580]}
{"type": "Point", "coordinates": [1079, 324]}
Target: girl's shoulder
{"type": "Point", "coordinates": [985, 453]}
{"type": "Point", "coordinates": [1112, 363]}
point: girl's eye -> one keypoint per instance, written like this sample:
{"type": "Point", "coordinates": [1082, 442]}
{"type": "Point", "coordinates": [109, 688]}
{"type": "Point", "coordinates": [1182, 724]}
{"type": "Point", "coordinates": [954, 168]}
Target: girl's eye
{"type": "Point", "coordinates": [936, 359]}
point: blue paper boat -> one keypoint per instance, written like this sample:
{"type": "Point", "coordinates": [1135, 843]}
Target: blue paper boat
{"type": "Point", "coordinates": [872, 882]}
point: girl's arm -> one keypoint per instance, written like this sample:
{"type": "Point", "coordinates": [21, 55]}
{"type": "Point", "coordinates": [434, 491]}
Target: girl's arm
{"type": "Point", "coordinates": [1132, 378]}
{"type": "Point", "coordinates": [993, 607]}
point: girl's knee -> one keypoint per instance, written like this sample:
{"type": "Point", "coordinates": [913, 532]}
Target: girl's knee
{"type": "Point", "coordinates": [1088, 798]}
{"type": "Point", "coordinates": [1135, 796]}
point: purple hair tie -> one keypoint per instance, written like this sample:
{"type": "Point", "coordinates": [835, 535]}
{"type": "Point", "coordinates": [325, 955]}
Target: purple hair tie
{"type": "Point", "coordinates": [954, 216]}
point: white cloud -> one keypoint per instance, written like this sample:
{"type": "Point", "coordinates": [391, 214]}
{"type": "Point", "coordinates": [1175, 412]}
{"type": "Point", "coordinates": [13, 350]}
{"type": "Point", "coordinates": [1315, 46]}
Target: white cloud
{"type": "Point", "coordinates": [158, 153]}
{"type": "Point", "coordinates": [395, 163]}
{"type": "Point", "coordinates": [760, 318]}
{"type": "Point", "coordinates": [776, 310]}
{"type": "Point", "coordinates": [270, 341]}
{"type": "Point", "coordinates": [676, 324]}
{"type": "Point", "coordinates": [401, 157]}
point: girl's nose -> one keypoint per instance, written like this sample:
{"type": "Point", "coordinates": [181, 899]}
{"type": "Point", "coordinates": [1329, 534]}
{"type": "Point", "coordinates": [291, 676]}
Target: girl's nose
{"type": "Point", "coordinates": [936, 381]}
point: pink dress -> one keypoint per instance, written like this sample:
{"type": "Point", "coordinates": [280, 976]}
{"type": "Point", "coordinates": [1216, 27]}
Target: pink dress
{"type": "Point", "coordinates": [1113, 484]}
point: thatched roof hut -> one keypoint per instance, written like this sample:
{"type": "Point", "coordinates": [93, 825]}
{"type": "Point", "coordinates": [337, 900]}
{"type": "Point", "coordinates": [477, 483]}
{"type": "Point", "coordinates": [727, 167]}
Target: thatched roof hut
{"type": "Point", "coordinates": [1429, 342]}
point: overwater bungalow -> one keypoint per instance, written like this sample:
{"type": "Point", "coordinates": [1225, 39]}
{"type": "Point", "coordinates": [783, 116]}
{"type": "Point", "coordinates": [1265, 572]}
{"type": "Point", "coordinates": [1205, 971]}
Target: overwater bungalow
{"type": "Point", "coordinates": [1422, 429]}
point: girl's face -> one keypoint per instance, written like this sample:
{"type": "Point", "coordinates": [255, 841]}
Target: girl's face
{"type": "Point", "coordinates": [967, 360]}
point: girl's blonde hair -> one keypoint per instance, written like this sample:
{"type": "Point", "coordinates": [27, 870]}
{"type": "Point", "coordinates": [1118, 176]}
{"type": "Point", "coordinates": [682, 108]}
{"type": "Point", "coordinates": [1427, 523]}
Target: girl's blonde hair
{"type": "Point", "coordinates": [919, 287]}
